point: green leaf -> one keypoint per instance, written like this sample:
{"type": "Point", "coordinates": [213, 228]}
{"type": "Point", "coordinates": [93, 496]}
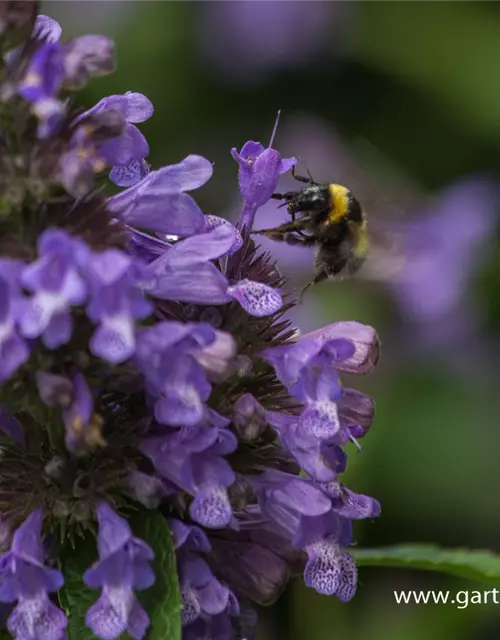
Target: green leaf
{"type": "Point", "coordinates": [483, 566]}
{"type": "Point", "coordinates": [162, 600]}
{"type": "Point", "coordinates": [75, 597]}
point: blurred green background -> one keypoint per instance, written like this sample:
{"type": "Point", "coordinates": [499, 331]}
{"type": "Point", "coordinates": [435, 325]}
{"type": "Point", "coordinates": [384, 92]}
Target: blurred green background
{"type": "Point", "coordinates": [408, 95]}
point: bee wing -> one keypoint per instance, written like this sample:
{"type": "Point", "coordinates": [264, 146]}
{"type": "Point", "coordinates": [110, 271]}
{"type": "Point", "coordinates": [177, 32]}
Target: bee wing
{"type": "Point", "coordinates": [392, 249]}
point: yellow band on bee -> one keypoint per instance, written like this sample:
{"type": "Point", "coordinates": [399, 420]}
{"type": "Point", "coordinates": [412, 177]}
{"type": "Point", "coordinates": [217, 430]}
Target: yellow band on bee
{"type": "Point", "coordinates": [339, 202]}
{"type": "Point", "coordinates": [362, 243]}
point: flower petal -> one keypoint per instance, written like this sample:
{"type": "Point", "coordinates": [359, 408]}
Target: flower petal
{"type": "Point", "coordinates": [200, 248]}
{"type": "Point", "coordinates": [191, 173]}
{"type": "Point", "coordinates": [123, 149]}
{"type": "Point", "coordinates": [130, 174]}
{"type": "Point", "coordinates": [215, 221]}
{"type": "Point", "coordinates": [46, 29]}
{"type": "Point", "coordinates": [211, 508]}
{"type": "Point", "coordinates": [203, 285]}
{"type": "Point", "coordinates": [176, 214]}
{"type": "Point", "coordinates": [257, 299]}
{"type": "Point", "coordinates": [320, 420]}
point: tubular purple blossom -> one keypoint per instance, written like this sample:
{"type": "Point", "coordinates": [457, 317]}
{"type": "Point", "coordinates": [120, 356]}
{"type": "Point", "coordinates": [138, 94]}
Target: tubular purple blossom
{"type": "Point", "coordinates": [123, 566]}
{"type": "Point", "coordinates": [259, 172]}
{"type": "Point", "coordinates": [27, 583]}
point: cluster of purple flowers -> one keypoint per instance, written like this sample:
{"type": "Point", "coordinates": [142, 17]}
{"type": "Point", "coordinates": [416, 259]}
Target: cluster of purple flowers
{"type": "Point", "coordinates": [144, 360]}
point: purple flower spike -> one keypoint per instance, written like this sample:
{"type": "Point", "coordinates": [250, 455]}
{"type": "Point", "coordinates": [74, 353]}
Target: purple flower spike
{"type": "Point", "coordinates": [44, 74]}
{"type": "Point", "coordinates": [257, 299]}
{"type": "Point", "coordinates": [57, 284]}
{"type": "Point", "coordinates": [13, 350]}
{"type": "Point", "coordinates": [27, 582]}
{"type": "Point", "coordinates": [123, 566]}
{"type": "Point", "coordinates": [85, 57]}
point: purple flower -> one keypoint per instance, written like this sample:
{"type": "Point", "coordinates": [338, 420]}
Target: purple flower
{"type": "Point", "coordinates": [131, 144]}
{"type": "Point", "coordinates": [362, 337]}
{"type": "Point", "coordinates": [348, 504]}
{"type": "Point", "coordinates": [85, 57]}
{"type": "Point", "coordinates": [201, 593]}
{"type": "Point", "coordinates": [289, 501]}
{"type": "Point", "coordinates": [44, 75]}
{"type": "Point", "coordinates": [105, 136]}
{"type": "Point", "coordinates": [257, 299]}
{"type": "Point", "coordinates": [445, 244]}
{"type": "Point", "coordinates": [13, 350]}
{"type": "Point", "coordinates": [160, 203]}
{"type": "Point", "coordinates": [46, 29]}
{"type": "Point", "coordinates": [192, 458]}
{"type": "Point", "coordinates": [331, 571]}
{"type": "Point", "coordinates": [57, 284]}
{"type": "Point", "coordinates": [203, 597]}
{"type": "Point", "coordinates": [116, 302]}
{"type": "Point", "coordinates": [72, 63]}
{"type": "Point", "coordinates": [27, 583]}
{"type": "Point", "coordinates": [130, 174]}
{"type": "Point", "coordinates": [321, 459]}
{"type": "Point", "coordinates": [259, 171]}
{"type": "Point", "coordinates": [166, 354]}
{"type": "Point", "coordinates": [123, 566]}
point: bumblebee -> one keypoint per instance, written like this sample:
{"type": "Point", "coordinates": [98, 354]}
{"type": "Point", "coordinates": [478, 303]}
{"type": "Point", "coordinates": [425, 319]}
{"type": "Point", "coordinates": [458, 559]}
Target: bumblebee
{"type": "Point", "coordinates": [328, 217]}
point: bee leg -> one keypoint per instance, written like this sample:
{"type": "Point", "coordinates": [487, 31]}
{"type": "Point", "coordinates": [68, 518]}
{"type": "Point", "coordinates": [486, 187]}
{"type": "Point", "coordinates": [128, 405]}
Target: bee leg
{"type": "Point", "coordinates": [298, 237]}
{"type": "Point", "coordinates": [295, 225]}
{"type": "Point", "coordinates": [319, 277]}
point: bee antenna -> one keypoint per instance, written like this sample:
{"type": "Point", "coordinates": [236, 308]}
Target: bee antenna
{"type": "Point", "coordinates": [309, 174]}
{"type": "Point", "coordinates": [276, 122]}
